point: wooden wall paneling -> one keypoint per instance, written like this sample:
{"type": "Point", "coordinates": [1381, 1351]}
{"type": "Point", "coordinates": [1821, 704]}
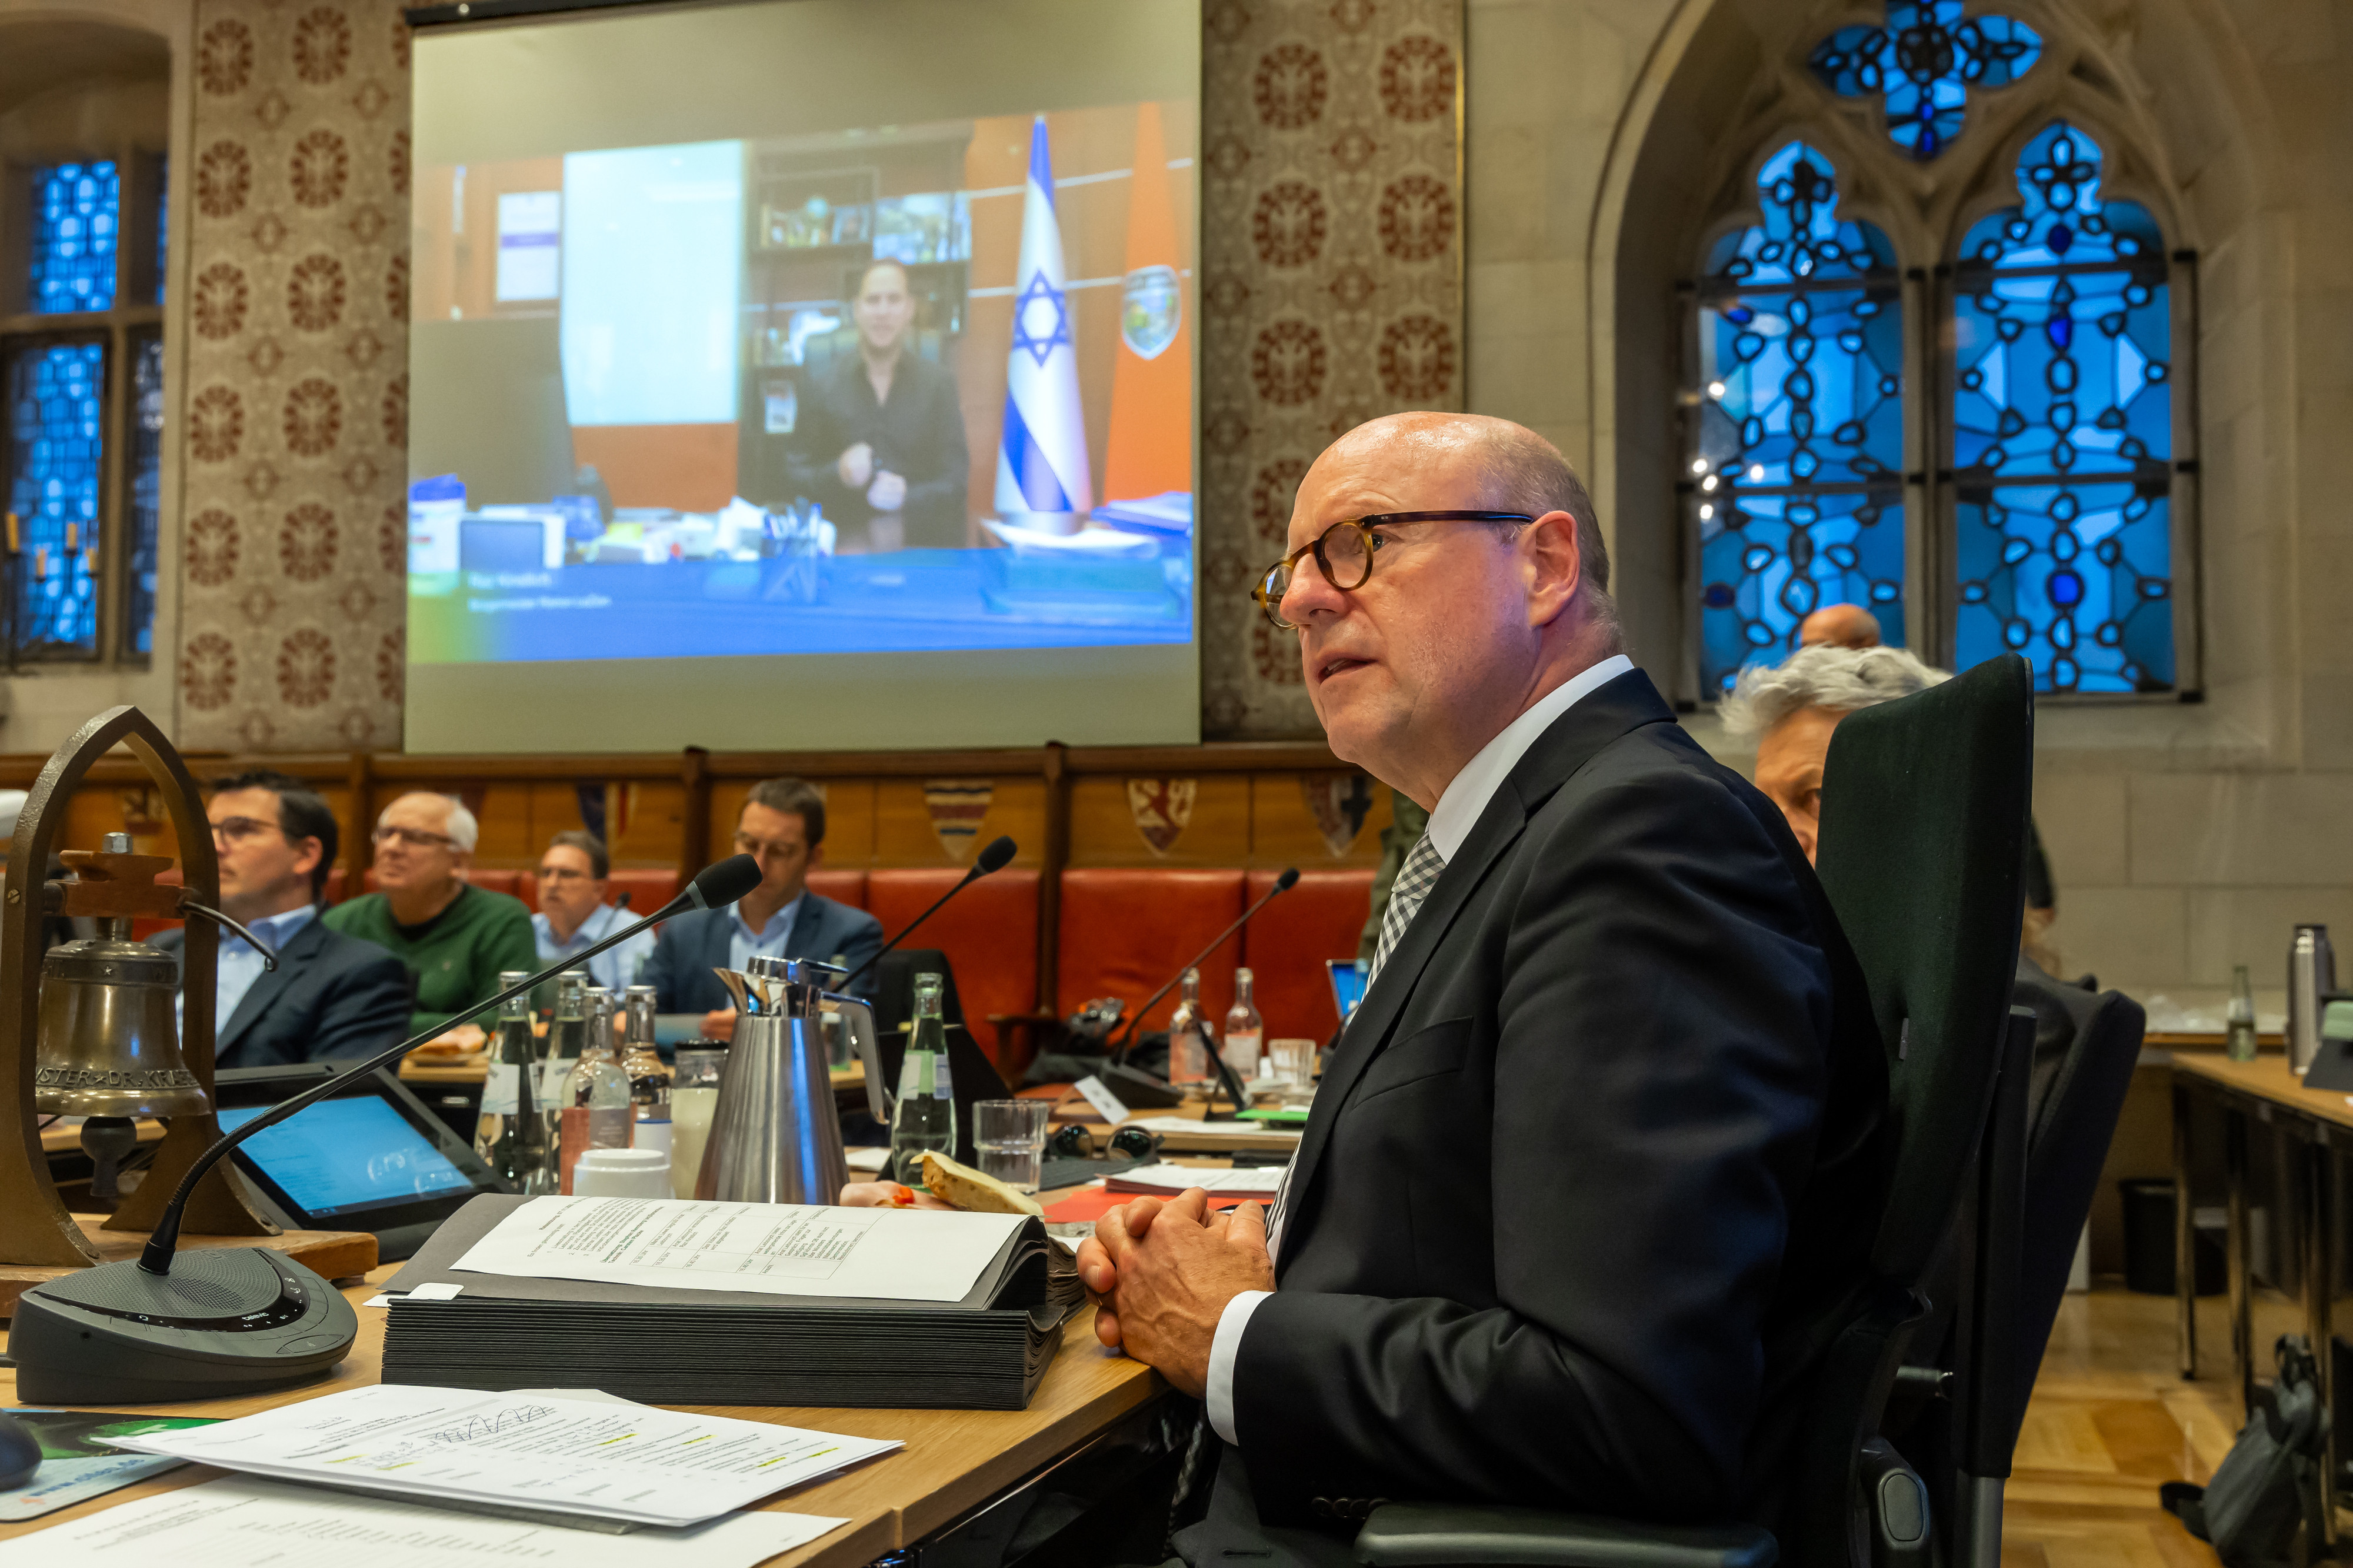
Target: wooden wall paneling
{"type": "Point", "coordinates": [904, 835]}
{"type": "Point", "coordinates": [555, 808]}
{"type": "Point", "coordinates": [645, 821]}
{"type": "Point", "coordinates": [504, 814]}
{"type": "Point", "coordinates": [358, 821]}
{"type": "Point", "coordinates": [1285, 829]}
{"type": "Point", "coordinates": [850, 811]}
{"type": "Point", "coordinates": [1217, 830]}
{"type": "Point", "coordinates": [722, 804]}
{"type": "Point", "coordinates": [694, 813]}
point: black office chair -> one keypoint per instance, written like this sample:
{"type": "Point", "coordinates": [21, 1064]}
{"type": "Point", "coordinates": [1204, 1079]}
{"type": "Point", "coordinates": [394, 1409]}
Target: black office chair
{"type": "Point", "coordinates": [1922, 850]}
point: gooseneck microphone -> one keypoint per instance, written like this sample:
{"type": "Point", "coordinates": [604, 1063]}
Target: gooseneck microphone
{"type": "Point", "coordinates": [995, 858]}
{"type": "Point", "coordinates": [714, 887]}
{"type": "Point", "coordinates": [1283, 884]}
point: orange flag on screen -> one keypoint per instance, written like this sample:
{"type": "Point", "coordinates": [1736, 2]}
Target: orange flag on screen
{"type": "Point", "coordinates": [1151, 448]}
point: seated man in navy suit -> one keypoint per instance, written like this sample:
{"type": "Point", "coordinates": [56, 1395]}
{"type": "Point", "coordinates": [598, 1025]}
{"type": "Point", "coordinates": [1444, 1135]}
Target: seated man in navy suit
{"type": "Point", "coordinates": [331, 995]}
{"type": "Point", "coordinates": [781, 826]}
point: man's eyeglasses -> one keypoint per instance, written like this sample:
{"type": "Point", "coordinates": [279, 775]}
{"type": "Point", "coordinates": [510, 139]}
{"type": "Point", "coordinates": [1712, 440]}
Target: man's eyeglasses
{"type": "Point", "coordinates": [748, 845]}
{"type": "Point", "coordinates": [415, 837]}
{"type": "Point", "coordinates": [235, 830]}
{"type": "Point", "coordinates": [562, 874]}
{"type": "Point", "coordinates": [1344, 553]}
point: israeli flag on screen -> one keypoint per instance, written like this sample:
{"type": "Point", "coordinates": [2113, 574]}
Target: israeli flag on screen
{"type": "Point", "coordinates": [1041, 463]}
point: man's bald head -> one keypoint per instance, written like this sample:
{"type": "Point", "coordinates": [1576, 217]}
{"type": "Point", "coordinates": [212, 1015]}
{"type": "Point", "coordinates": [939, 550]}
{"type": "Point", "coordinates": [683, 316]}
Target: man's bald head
{"type": "Point", "coordinates": [1504, 466]}
{"type": "Point", "coordinates": [1839, 626]}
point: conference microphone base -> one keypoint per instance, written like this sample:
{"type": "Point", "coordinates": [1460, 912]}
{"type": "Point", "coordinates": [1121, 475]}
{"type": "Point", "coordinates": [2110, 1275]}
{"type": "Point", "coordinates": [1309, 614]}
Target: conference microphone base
{"type": "Point", "coordinates": [225, 1321]}
{"type": "Point", "coordinates": [1138, 1089]}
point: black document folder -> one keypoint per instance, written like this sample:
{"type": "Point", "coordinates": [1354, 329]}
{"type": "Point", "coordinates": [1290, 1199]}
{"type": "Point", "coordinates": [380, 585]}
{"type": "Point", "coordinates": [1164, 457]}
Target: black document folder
{"type": "Point", "coordinates": [668, 1346]}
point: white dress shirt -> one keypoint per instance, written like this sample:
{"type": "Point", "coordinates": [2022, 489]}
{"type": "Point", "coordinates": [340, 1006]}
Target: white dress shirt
{"type": "Point", "coordinates": [1451, 820]}
{"type": "Point", "coordinates": [743, 944]}
{"type": "Point", "coordinates": [240, 966]}
{"type": "Point", "coordinates": [616, 968]}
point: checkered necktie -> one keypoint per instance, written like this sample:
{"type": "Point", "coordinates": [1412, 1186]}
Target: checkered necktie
{"type": "Point", "coordinates": [1414, 880]}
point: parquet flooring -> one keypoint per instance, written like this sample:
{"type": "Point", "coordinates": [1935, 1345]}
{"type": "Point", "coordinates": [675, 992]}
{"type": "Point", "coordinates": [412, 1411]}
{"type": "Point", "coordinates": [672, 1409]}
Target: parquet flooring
{"type": "Point", "coordinates": [2110, 1420]}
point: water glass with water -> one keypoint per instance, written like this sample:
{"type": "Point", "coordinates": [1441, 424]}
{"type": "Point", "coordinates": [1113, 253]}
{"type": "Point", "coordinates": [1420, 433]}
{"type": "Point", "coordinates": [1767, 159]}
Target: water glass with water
{"type": "Point", "coordinates": [1294, 1063]}
{"type": "Point", "coordinates": [1010, 1136]}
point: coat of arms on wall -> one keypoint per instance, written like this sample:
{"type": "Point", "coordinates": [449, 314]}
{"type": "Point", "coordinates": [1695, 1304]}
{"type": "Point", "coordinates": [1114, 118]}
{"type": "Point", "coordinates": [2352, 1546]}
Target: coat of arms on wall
{"type": "Point", "coordinates": [957, 808]}
{"type": "Point", "coordinates": [1162, 808]}
{"type": "Point", "coordinates": [1339, 803]}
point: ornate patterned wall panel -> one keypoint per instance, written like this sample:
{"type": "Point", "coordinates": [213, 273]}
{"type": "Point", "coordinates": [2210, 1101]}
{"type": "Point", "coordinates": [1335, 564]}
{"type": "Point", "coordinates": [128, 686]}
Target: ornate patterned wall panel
{"type": "Point", "coordinates": [1331, 254]}
{"type": "Point", "coordinates": [294, 439]}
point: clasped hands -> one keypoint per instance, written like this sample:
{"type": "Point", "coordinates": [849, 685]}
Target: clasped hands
{"type": "Point", "coordinates": [1161, 1273]}
{"type": "Point", "coordinates": [885, 491]}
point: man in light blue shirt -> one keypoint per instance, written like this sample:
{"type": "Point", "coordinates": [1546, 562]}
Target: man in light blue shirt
{"type": "Point", "coordinates": [574, 916]}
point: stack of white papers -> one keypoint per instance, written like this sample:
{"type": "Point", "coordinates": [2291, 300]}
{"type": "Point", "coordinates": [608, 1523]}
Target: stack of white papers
{"type": "Point", "coordinates": [1249, 1182]}
{"type": "Point", "coordinates": [533, 1452]}
{"type": "Point", "coordinates": [238, 1522]}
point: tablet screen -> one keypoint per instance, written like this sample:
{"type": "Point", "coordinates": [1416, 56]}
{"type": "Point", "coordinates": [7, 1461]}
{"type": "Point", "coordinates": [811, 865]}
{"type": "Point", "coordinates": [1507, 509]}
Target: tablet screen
{"type": "Point", "coordinates": [343, 1156]}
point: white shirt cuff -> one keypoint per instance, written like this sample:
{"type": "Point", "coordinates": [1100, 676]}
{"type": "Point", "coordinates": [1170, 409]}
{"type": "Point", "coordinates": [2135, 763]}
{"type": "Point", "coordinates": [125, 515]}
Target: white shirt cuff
{"type": "Point", "coordinates": [1222, 1351]}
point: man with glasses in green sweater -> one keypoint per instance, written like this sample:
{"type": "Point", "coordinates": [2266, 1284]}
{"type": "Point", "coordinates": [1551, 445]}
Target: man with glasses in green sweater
{"type": "Point", "coordinates": [454, 937]}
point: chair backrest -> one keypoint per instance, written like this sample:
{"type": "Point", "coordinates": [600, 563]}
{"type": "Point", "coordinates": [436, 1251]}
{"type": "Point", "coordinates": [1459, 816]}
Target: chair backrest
{"type": "Point", "coordinates": [1922, 852]}
{"type": "Point", "coordinates": [2065, 1150]}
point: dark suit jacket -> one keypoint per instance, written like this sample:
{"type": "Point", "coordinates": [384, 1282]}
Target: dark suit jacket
{"type": "Point", "coordinates": [691, 945]}
{"type": "Point", "coordinates": [1590, 1181]}
{"type": "Point", "coordinates": [332, 995]}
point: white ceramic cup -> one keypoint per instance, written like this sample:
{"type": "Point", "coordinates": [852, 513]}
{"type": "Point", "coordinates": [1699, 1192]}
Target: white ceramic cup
{"type": "Point", "coordinates": [621, 1173]}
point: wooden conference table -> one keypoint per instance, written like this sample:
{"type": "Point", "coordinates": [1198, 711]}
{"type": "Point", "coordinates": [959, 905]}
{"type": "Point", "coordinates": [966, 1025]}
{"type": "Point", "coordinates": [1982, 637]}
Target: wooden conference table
{"type": "Point", "coordinates": [954, 1461]}
{"type": "Point", "coordinates": [2320, 1123]}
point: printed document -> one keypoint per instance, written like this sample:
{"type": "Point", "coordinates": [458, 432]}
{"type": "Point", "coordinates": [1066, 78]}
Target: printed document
{"type": "Point", "coordinates": [560, 1456]}
{"type": "Point", "coordinates": [776, 1249]}
{"type": "Point", "coordinates": [239, 1522]}
{"type": "Point", "coordinates": [1246, 1181]}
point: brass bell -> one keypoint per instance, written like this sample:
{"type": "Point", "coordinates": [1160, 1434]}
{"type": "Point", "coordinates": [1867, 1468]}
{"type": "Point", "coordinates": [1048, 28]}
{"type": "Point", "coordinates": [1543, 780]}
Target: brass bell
{"type": "Point", "coordinates": [108, 1046]}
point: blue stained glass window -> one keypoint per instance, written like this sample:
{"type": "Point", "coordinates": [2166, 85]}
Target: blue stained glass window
{"type": "Point", "coordinates": [163, 220]}
{"type": "Point", "coordinates": [1796, 481]}
{"type": "Point", "coordinates": [76, 210]}
{"type": "Point", "coordinates": [2062, 430]}
{"type": "Point", "coordinates": [1923, 64]}
{"type": "Point", "coordinates": [57, 447]}
{"type": "Point", "coordinates": [138, 637]}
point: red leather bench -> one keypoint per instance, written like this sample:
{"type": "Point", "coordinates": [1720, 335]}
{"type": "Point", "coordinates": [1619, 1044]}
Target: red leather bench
{"type": "Point", "coordinates": [1125, 930]}
{"type": "Point", "coordinates": [1285, 947]}
{"type": "Point", "coordinates": [989, 932]}
{"type": "Point", "coordinates": [842, 884]}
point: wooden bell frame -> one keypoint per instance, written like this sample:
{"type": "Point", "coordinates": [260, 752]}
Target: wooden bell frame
{"type": "Point", "coordinates": [35, 1227]}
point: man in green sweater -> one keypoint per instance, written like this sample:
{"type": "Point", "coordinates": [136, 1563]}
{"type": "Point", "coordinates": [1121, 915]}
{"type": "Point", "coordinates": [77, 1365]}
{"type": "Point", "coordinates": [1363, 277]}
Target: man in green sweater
{"type": "Point", "coordinates": [454, 937]}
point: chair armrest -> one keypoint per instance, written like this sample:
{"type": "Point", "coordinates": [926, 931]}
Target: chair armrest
{"type": "Point", "coordinates": [1428, 1535]}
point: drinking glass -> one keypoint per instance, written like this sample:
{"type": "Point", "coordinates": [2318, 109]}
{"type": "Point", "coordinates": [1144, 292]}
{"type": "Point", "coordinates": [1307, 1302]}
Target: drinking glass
{"type": "Point", "coordinates": [1011, 1135]}
{"type": "Point", "coordinates": [1294, 1066]}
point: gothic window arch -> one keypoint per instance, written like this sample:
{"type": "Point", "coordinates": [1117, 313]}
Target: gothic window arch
{"type": "Point", "coordinates": [1969, 419]}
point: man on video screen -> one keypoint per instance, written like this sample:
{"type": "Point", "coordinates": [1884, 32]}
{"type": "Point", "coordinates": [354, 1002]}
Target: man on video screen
{"type": "Point", "coordinates": [883, 437]}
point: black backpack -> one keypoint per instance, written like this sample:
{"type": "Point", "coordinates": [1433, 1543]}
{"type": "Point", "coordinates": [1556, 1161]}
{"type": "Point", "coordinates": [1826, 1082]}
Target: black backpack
{"type": "Point", "coordinates": [2268, 1486]}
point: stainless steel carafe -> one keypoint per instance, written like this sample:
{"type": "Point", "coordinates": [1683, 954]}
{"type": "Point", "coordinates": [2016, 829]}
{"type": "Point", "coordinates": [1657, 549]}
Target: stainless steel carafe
{"type": "Point", "coordinates": [775, 1136]}
{"type": "Point", "coordinates": [2311, 973]}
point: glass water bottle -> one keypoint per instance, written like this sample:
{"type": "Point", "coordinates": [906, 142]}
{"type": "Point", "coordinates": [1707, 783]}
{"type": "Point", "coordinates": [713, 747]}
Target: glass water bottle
{"type": "Point", "coordinates": [516, 1133]}
{"type": "Point", "coordinates": [596, 1110]}
{"type": "Point", "coordinates": [925, 1119]}
{"type": "Point", "coordinates": [2241, 1018]}
{"type": "Point", "coordinates": [649, 1076]}
{"type": "Point", "coordinates": [1188, 1035]}
{"type": "Point", "coordinates": [565, 1035]}
{"type": "Point", "coordinates": [1244, 1029]}
{"type": "Point", "coordinates": [694, 1093]}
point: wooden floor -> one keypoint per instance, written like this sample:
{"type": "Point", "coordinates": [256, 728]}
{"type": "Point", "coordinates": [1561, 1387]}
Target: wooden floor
{"type": "Point", "coordinates": [2111, 1419]}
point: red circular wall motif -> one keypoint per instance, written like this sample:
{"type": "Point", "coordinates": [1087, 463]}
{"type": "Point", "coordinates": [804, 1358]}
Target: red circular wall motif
{"type": "Point", "coordinates": [314, 292]}
{"type": "Point", "coordinates": [1271, 493]}
{"type": "Point", "coordinates": [224, 57]}
{"type": "Point", "coordinates": [1290, 86]}
{"type": "Point", "coordinates": [224, 179]}
{"type": "Point", "coordinates": [1352, 15]}
{"type": "Point", "coordinates": [1274, 654]}
{"type": "Point", "coordinates": [207, 671]}
{"type": "Point", "coordinates": [314, 416]}
{"type": "Point", "coordinates": [1226, 20]}
{"type": "Point", "coordinates": [306, 542]}
{"type": "Point", "coordinates": [399, 42]}
{"type": "Point", "coordinates": [216, 424]}
{"type": "Point", "coordinates": [306, 668]}
{"type": "Point", "coordinates": [322, 45]}
{"type": "Point", "coordinates": [219, 300]}
{"type": "Point", "coordinates": [1287, 363]}
{"type": "Point", "coordinates": [1417, 78]}
{"type": "Point", "coordinates": [397, 162]}
{"type": "Point", "coordinates": [1289, 224]}
{"type": "Point", "coordinates": [392, 664]}
{"type": "Point", "coordinates": [319, 168]}
{"type": "Point", "coordinates": [1417, 218]}
{"type": "Point", "coordinates": [212, 548]}
{"type": "Point", "coordinates": [395, 287]}
{"type": "Point", "coordinates": [392, 539]}
{"type": "Point", "coordinates": [395, 410]}
{"type": "Point", "coordinates": [1417, 359]}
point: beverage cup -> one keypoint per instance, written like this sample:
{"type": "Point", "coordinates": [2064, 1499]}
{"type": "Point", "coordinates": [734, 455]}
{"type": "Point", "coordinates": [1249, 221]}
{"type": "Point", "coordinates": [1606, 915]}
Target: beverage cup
{"type": "Point", "coordinates": [1010, 1137]}
{"type": "Point", "coordinates": [1294, 1064]}
{"type": "Point", "coordinates": [621, 1173]}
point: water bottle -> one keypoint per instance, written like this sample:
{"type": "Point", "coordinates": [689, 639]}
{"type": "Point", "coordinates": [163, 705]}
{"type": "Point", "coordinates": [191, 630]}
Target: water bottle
{"type": "Point", "coordinates": [925, 1119]}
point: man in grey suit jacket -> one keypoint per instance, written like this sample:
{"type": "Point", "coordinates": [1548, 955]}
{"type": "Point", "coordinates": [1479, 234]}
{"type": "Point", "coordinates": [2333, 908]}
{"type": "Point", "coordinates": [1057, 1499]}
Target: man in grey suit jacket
{"type": "Point", "coordinates": [332, 995]}
{"type": "Point", "coordinates": [1590, 1182]}
{"type": "Point", "coordinates": [781, 826]}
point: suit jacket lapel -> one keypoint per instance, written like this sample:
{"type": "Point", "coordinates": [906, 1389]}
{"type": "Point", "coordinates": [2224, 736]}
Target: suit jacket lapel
{"type": "Point", "coordinates": [1627, 703]}
{"type": "Point", "coordinates": [300, 948]}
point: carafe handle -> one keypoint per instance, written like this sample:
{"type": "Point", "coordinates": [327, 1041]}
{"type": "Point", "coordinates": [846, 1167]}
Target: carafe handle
{"type": "Point", "coordinates": [866, 1040]}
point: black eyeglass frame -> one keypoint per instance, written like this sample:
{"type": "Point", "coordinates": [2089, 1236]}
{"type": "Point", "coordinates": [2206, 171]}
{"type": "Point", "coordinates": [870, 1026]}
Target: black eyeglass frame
{"type": "Point", "coordinates": [1271, 603]}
